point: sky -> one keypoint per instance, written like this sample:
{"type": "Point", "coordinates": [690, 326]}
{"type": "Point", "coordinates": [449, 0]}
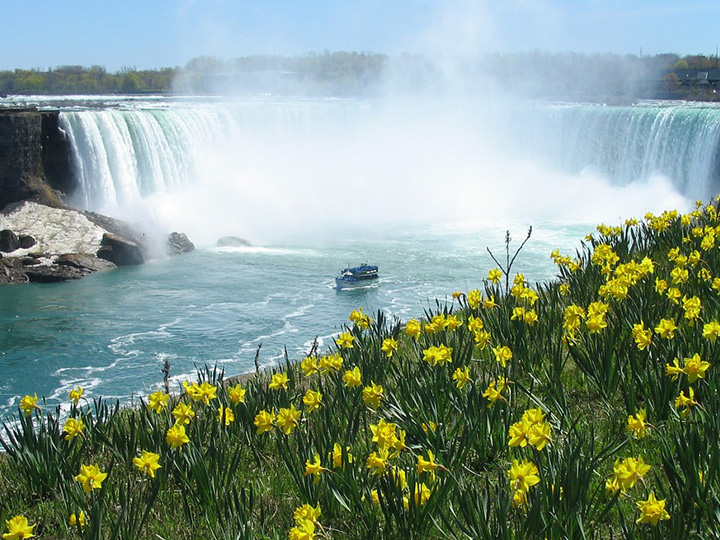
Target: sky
{"type": "Point", "coordinates": [152, 34]}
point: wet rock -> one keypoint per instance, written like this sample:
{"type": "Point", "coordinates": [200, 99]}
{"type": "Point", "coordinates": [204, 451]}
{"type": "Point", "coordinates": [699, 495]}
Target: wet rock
{"type": "Point", "coordinates": [83, 261]}
{"type": "Point", "coordinates": [8, 241]}
{"type": "Point", "coordinates": [26, 241]}
{"type": "Point", "coordinates": [120, 251]}
{"type": "Point", "coordinates": [179, 243]}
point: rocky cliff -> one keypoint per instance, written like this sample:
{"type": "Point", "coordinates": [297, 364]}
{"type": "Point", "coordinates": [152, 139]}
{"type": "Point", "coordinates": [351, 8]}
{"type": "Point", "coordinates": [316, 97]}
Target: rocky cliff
{"type": "Point", "coordinates": [34, 157]}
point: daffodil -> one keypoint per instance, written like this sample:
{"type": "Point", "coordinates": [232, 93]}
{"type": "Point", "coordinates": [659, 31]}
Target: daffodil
{"type": "Point", "coordinates": [352, 377]}
{"type": "Point", "coordinates": [503, 354]}
{"type": "Point", "coordinates": [28, 404]}
{"type": "Point", "coordinates": [494, 391]}
{"type": "Point", "coordinates": [523, 475]}
{"type": "Point", "coordinates": [90, 477]}
{"type": "Point", "coordinates": [264, 421]}
{"type": "Point", "coordinates": [413, 328]}
{"type": "Point", "coordinates": [147, 463]}
{"type": "Point", "coordinates": [628, 471]}
{"type": "Point", "coordinates": [372, 395]}
{"type": "Point", "coordinates": [314, 468]}
{"type": "Point", "coordinates": [288, 419]}
{"type": "Point", "coordinates": [183, 413]}
{"type": "Point", "coordinates": [652, 510]}
{"type": "Point", "coordinates": [158, 400]}
{"type": "Point", "coordinates": [77, 520]}
{"type": "Point", "coordinates": [338, 454]}
{"type": "Point", "coordinates": [236, 394]}
{"type": "Point", "coordinates": [176, 437]}
{"type": "Point", "coordinates": [76, 394]}
{"type": "Point", "coordinates": [312, 400]}
{"type": "Point", "coordinates": [636, 424]}
{"type": "Point", "coordinates": [494, 275]}
{"type": "Point", "coordinates": [225, 415]}
{"type": "Point", "coordinates": [389, 346]}
{"type": "Point", "coordinates": [666, 328]}
{"type": "Point", "coordinates": [278, 381]}
{"type": "Point", "coordinates": [73, 427]}
{"type": "Point", "coordinates": [462, 376]}
{"type": "Point", "coordinates": [345, 340]}
{"type": "Point", "coordinates": [18, 529]}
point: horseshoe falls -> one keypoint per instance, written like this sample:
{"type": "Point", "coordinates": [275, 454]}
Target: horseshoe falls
{"type": "Point", "coordinates": [418, 187]}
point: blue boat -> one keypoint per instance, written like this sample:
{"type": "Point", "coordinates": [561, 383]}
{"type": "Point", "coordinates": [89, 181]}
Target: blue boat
{"type": "Point", "coordinates": [358, 276]}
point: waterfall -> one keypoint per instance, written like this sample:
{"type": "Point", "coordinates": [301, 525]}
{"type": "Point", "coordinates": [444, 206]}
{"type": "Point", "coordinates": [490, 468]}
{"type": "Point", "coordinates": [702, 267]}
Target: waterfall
{"type": "Point", "coordinates": [259, 167]}
{"type": "Point", "coordinates": [627, 144]}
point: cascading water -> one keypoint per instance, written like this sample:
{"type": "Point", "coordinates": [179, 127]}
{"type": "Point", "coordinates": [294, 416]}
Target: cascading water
{"type": "Point", "coordinates": [124, 156]}
{"type": "Point", "coordinates": [632, 143]}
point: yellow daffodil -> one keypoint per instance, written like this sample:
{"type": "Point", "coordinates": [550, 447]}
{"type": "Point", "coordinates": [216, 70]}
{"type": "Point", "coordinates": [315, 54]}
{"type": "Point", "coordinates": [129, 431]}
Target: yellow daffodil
{"type": "Point", "coordinates": [176, 437]}
{"type": "Point", "coordinates": [389, 346]}
{"type": "Point", "coordinates": [73, 427]}
{"type": "Point", "coordinates": [314, 467]}
{"type": "Point", "coordinates": [158, 400]}
{"type": "Point", "coordinates": [413, 328]}
{"type": "Point", "coordinates": [652, 510]}
{"type": "Point", "coordinates": [183, 413]}
{"type": "Point", "coordinates": [372, 395]}
{"type": "Point", "coordinates": [345, 340]}
{"type": "Point", "coordinates": [28, 404]}
{"type": "Point", "coordinates": [278, 381]}
{"type": "Point", "coordinates": [462, 377]}
{"type": "Point", "coordinates": [236, 394]}
{"type": "Point", "coordinates": [352, 377]}
{"type": "Point", "coordinates": [77, 520]}
{"type": "Point", "coordinates": [636, 424]}
{"type": "Point", "coordinates": [503, 354]}
{"type": "Point", "coordinates": [225, 415]}
{"type": "Point", "coordinates": [90, 477]}
{"type": "Point", "coordinates": [147, 463]}
{"type": "Point", "coordinates": [76, 394]}
{"type": "Point", "coordinates": [288, 419]}
{"type": "Point", "coordinates": [338, 455]}
{"type": "Point", "coordinates": [264, 421]}
{"type": "Point", "coordinates": [18, 529]}
{"type": "Point", "coordinates": [312, 400]}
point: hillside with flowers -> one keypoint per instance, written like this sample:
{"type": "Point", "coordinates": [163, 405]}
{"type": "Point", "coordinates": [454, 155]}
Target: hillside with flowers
{"type": "Point", "coordinates": [587, 407]}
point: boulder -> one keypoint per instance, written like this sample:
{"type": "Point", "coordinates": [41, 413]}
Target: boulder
{"type": "Point", "coordinates": [232, 241]}
{"type": "Point", "coordinates": [179, 243]}
{"type": "Point", "coordinates": [26, 241]}
{"type": "Point", "coordinates": [120, 251]}
{"type": "Point", "coordinates": [8, 241]}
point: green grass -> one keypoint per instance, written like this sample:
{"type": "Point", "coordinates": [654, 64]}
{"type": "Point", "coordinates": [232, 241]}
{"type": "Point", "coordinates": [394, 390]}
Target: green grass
{"type": "Point", "coordinates": [585, 380]}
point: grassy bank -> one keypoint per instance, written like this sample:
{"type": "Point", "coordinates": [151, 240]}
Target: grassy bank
{"type": "Point", "coordinates": [587, 407]}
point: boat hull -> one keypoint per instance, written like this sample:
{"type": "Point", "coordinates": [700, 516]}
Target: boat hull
{"type": "Point", "coordinates": [342, 283]}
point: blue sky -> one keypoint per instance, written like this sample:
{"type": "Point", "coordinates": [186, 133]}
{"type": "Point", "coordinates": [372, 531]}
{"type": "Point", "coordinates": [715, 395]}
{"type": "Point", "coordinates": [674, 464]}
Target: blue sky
{"type": "Point", "coordinates": [159, 33]}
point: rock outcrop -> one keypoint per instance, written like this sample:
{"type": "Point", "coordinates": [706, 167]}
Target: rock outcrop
{"type": "Point", "coordinates": [66, 244]}
{"type": "Point", "coordinates": [34, 157]}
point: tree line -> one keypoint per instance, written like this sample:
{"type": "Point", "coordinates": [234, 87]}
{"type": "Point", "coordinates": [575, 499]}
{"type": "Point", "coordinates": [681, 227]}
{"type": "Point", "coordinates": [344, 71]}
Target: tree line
{"type": "Point", "coordinates": [535, 73]}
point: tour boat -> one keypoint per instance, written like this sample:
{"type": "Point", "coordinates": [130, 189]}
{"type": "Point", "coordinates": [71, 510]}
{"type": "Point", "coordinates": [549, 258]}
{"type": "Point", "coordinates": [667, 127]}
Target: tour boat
{"type": "Point", "coordinates": [358, 276]}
